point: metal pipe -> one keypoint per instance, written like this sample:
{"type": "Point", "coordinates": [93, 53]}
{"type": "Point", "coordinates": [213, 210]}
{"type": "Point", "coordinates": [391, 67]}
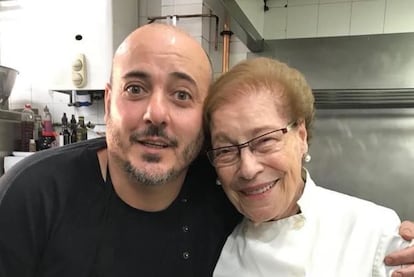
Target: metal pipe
{"type": "Point", "coordinates": [226, 33]}
{"type": "Point", "coordinates": [151, 19]}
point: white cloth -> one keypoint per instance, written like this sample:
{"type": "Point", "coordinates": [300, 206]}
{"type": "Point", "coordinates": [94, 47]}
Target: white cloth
{"type": "Point", "coordinates": [335, 235]}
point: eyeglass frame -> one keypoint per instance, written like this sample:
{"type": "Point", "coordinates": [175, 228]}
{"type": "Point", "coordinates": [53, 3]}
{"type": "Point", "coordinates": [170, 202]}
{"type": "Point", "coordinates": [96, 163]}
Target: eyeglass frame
{"type": "Point", "coordinates": [240, 146]}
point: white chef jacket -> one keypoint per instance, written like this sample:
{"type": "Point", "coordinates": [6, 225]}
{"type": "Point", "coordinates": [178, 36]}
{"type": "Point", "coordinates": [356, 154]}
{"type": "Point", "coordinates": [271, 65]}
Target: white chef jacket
{"type": "Point", "coordinates": [334, 235]}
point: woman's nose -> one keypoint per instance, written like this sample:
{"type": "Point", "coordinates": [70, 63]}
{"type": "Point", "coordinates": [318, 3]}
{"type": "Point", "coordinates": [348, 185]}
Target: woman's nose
{"type": "Point", "coordinates": [249, 165]}
{"type": "Point", "coordinates": [157, 111]}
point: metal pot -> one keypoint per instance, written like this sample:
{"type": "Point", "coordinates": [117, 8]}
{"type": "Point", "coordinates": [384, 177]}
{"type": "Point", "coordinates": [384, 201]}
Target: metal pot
{"type": "Point", "coordinates": [7, 79]}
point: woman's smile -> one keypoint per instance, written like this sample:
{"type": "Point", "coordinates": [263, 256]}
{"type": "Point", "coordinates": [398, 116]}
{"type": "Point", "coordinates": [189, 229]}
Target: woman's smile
{"type": "Point", "coordinates": [258, 190]}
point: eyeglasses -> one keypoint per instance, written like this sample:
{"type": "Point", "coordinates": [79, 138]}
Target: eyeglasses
{"type": "Point", "coordinates": [264, 144]}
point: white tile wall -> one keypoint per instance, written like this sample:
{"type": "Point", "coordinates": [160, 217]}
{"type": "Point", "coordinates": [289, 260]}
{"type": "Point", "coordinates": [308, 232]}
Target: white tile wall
{"type": "Point", "coordinates": [254, 11]}
{"type": "Point", "coordinates": [399, 16]}
{"type": "Point", "coordinates": [167, 2]}
{"type": "Point", "coordinates": [333, 1]}
{"type": "Point", "coordinates": [318, 18]}
{"type": "Point", "coordinates": [187, 2]}
{"type": "Point", "coordinates": [216, 58]}
{"type": "Point", "coordinates": [181, 9]}
{"type": "Point", "coordinates": [277, 3]}
{"type": "Point", "coordinates": [148, 8]}
{"type": "Point", "coordinates": [276, 23]}
{"type": "Point", "coordinates": [285, 19]}
{"type": "Point", "coordinates": [208, 28]}
{"type": "Point", "coordinates": [292, 3]}
{"type": "Point", "coordinates": [334, 19]}
{"type": "Point", "coordinates": [367, 17]}
{"type": "Point", "coordinates": [302, 21]}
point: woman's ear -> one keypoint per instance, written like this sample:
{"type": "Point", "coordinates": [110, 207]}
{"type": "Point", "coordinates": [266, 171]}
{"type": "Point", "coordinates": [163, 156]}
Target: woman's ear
{"type": "Point", "coordinates": [303, 135]}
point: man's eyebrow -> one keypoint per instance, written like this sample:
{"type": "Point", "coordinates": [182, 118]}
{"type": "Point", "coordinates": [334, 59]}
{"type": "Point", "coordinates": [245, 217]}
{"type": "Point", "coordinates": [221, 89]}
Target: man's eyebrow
{"type": "Point", "coordinates": [137, 74]}
{"type": "Point", "coordinates": [184, 76]}
{"type": "Point", "coordinates": [144, 75]}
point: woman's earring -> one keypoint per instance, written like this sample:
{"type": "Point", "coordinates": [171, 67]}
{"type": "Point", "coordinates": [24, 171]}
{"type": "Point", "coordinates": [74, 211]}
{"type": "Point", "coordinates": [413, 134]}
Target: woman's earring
{"type": "Point", "coordinates": [218, 183]}
{"type": "Point", "coordinates": [307, 158]}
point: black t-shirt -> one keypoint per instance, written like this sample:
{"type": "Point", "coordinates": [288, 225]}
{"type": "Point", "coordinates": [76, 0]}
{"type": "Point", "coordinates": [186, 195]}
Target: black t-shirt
{"type": "Point", "coordinates": [58, 217]}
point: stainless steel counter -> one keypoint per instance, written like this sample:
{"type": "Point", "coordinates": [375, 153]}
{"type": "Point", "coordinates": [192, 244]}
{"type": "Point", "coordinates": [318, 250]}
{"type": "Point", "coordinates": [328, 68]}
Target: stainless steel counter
{"type": "Point", "coordinates": [9, 134]}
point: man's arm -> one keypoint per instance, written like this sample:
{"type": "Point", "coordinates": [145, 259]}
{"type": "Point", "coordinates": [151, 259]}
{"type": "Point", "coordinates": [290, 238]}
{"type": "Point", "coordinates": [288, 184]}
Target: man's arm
{"type": "Point", "coordinates": [405, 256]}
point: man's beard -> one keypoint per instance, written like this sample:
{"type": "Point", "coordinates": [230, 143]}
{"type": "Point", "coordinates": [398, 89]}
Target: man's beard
{"type": "Point", "coordinates": [150, 177]}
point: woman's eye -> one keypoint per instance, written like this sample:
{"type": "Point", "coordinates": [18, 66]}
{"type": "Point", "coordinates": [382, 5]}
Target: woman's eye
{"type": "Point", "coordinates": [263, 143]}
{"type": "Point", "coordinates": [183, 95]}
{"type": "Point", "coordinates": [222, 152]}
{"type": "Point", "coordinates": [265, 140]}
{"type": "Point", "coordinates": [227, 152]}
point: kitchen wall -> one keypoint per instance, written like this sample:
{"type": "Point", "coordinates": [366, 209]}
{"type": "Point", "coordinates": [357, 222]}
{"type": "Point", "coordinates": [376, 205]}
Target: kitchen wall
{"type": "Point", "coordinates": [23, 32]}
{"type": "Point", "coordinates": [321, 18]}
{"type": "Point", "coordinates": [33, 40]}
{"type": "Point", "coordinates": [202, 30]}
{"type": "Point", "coordinates": [38, 39]}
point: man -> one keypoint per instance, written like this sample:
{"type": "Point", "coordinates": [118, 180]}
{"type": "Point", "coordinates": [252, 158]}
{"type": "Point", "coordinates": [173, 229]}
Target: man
{"type": "Point", "coordinates": [130, 205]}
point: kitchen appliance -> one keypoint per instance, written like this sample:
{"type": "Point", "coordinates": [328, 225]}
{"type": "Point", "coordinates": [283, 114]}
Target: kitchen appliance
{"type": "Point", "coordinates": [7, 79]}
{"type": "Point", "coordinates": [10, 122]}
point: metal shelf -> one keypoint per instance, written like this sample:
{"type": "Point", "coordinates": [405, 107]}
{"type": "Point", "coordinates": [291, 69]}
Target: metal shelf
{"type": "Point", "coordinates": [95, 94]}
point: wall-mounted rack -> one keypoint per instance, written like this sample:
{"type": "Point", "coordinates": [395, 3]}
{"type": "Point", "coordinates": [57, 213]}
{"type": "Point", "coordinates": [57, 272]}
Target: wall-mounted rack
{"type": "Point", "coordinates": [76, 96]}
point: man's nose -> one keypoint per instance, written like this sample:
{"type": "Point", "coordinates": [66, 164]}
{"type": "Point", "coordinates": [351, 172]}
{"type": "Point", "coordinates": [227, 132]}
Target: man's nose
{"type": "Point", "coordinates": [157, 112]}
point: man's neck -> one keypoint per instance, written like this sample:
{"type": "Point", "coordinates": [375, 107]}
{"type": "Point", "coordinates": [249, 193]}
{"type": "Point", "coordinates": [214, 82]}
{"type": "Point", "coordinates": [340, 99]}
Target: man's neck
{"type": "Point", "coordinates": [139, 196]}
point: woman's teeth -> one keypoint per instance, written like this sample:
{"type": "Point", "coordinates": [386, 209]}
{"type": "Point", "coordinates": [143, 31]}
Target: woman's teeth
{"type": "Point", "coordinates": [260, 190]}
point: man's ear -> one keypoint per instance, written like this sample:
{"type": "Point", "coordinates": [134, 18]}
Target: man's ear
{"type": "Point", "coordinates": [107, 100]}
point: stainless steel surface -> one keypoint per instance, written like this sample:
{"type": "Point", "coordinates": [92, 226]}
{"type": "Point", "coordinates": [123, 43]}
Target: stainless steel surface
{"type": "Point", "coordinates": [367, 153]}
{"type": "Point", "coordinates": [364, 98]}
{"type": "Point", "coordinates": [10, 115]}
{"type": "Point", "coordinates": [384, 61]}
{"type": "Point", "coordinates": [9, 134]}
{"type": "Point", "coordinates": [7, 79]}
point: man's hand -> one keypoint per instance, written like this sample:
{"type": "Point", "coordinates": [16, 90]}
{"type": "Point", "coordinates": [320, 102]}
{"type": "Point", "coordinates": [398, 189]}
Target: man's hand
{"type": "Point", "coordinates": [403, 257]}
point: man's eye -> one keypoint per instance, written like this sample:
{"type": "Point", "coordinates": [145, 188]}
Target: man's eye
{"type": "Point", "coordinates": [182, 95]}
{"type": "Point", "coordinates": [134, 89]}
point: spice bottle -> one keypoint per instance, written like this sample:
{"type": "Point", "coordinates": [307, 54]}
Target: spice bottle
{"type": "Point", "coordinates": [65, 132]}
{"type": "Point", "coordinates": [73, 126]}
{"type": "Point", "coordinates": [27, 126]}
{"type": "Point", "coordinates": [81, 131]}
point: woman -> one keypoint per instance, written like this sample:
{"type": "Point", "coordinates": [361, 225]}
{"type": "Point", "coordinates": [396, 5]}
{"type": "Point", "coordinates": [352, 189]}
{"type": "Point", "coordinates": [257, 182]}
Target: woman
{"type": "Point", "coordinates": [259, 115]}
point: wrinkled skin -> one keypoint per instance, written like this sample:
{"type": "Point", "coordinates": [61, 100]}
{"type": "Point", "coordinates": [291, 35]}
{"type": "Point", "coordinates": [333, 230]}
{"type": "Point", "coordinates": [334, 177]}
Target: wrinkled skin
{"type": "Point", "coordinates": [261, 188]}
{"type": "Point", "coordinates": [405, 256]}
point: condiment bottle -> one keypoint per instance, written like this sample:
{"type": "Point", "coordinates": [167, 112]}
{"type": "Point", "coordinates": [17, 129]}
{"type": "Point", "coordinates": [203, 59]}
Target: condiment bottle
{"type": "Point", "coordinates": [27, 126]}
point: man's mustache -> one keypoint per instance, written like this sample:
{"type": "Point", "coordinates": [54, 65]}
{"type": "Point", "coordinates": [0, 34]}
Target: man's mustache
{"type": "Point", "coordinates": [153, 131]}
